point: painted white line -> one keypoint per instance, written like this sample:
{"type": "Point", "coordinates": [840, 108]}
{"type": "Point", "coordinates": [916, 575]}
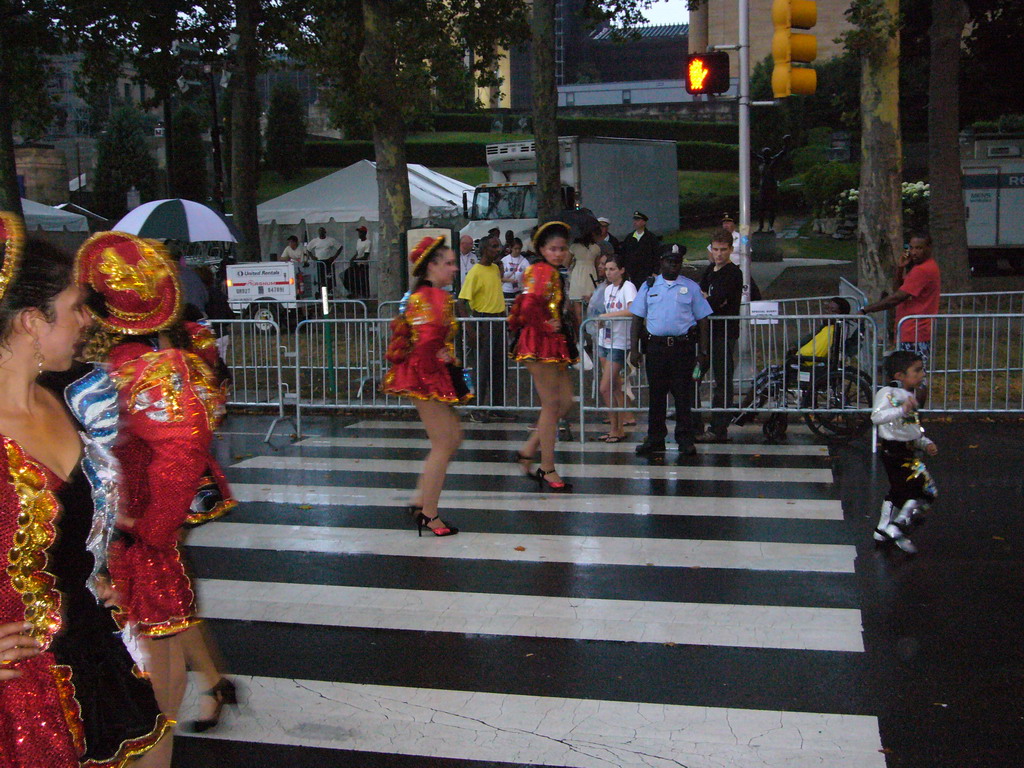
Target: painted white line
{"type": "Point", "coordinates": [541, 730]}
{"type": "Point", "coordinates": [580, 550]}
{"type": "Point", "coordinates": [569, 448]}
{"type": "Point", "coordinates": [533, 501]}
{"type": "Point", "coordinates": [577, 472]}
{"type": "Point", "coordinates": [747, 626]}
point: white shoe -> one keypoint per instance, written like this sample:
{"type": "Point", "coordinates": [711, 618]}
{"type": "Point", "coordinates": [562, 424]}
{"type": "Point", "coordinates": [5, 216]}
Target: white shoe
{"type": "Point", "coordinates": [883, 521]}
{"type": "Point", "coordinates": [894, 534]}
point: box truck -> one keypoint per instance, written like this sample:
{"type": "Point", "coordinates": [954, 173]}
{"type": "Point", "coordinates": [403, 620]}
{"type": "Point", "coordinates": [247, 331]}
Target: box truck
{"type": "Point", "coordinates": [994, 197]}
{"type": "Point", "coordinates": [610, 177]}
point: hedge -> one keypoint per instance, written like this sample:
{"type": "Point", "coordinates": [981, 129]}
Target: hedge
{"type": "Point", "coordinates": [673, 130]}
{"type": "Point", "coordinates": [707, 156]}
{"type": "Point", "coordinates": [691, 155]}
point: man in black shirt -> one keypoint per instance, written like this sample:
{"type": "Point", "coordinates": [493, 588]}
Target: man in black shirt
{"type": "Point", "coordinates": [722, 285]}
{"type": "Point", "coordinates": [642, 251]}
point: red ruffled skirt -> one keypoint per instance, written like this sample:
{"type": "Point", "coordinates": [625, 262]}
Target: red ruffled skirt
{"type": "Point", "coordinates": [156, 592]}
{"type": "Point", "coordinates": [543, 346]}
{"type": "Point", "coordinates": [424, 377]}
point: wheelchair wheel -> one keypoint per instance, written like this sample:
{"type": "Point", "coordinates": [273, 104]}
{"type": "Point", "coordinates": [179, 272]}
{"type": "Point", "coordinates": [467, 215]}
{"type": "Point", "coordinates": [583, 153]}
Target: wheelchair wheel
{"type": "Point", "coordinates": [775, 427]}
{"type": "Point", "coordinates": [843, 389]}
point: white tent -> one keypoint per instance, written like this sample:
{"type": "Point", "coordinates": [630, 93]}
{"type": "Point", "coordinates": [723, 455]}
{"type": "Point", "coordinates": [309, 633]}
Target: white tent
{"type": "Point", "coordinates": [347, 198]}
{"type": "Point", "coordinates": [39, 216]}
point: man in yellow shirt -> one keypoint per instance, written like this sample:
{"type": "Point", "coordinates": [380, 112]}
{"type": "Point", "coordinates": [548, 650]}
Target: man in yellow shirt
{"type": "Point", "coordinates": [482, 296]}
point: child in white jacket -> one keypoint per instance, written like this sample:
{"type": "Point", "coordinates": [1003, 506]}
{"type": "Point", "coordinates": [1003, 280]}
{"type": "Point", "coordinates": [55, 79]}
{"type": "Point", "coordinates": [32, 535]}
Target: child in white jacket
{"type": "Point", "coordinates": [901, 436]}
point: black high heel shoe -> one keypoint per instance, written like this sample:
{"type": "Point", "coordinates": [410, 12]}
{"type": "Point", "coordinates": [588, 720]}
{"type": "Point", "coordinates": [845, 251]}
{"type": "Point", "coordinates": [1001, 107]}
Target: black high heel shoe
{"type": "Point", "coordinates": [224, 692]}
{"type": "Point", "coordinates": [524, 463]}
{"type": "Point", "coordinates": [422, 521]}
{"type": "Point", "coordinates": [540, 477]}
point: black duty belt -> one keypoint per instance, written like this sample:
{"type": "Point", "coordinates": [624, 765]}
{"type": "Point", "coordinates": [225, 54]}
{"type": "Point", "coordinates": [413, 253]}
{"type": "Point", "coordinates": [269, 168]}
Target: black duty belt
{"type": "Point", "coordinates": [671, 341]}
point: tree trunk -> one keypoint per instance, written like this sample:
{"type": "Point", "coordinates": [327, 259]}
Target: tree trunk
{"type": "Point", "coordinates": [947, 221]}
{"type": "Point", "coordinates": [172, 166]}
{"type": "Point", "coordinates": [10, 196]}
{"type": "Point", "coordinates": [377, 62]}
{"type": "Point", "coordinates": [880, 215]}
{"type": "Point", "coordinates": [545, 110]}
{"type": "Point", "coordinates": [698, 38]}
{"type": "Point", "coordinates": [245, 127]}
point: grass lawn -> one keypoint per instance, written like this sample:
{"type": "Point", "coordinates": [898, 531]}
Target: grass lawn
{"type": "Point", "coordinates": [471, 176]}
{"type": "Point", "coordinates": [708, 183]}
{"type": "Point", "coordinates": [438, 137]}
{"type": "Point", "coordinates": [808, 246]}
{"type": "Point", "coordinates": [272, 185]}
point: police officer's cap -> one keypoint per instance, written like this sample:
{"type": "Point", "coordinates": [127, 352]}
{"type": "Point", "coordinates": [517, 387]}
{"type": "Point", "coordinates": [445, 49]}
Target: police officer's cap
{"type": "Point", "coordinates": [640, 215]}
{"type": "Point", "coordinates": [673, 252]}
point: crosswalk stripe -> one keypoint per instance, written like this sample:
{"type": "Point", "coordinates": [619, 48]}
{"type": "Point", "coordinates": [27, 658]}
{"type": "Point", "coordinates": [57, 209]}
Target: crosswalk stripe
{"type": "Point", "coordinates": [542, 730]}
{"type": "Point", "coordinates": [753, 431]}
{"type": "Point", "coordinates": [566, 448]}
{"type": "Point", "coordinates": [357, 496]}
{"type": "Point", "coordinates": [508, 469]}
{"type": "Point", "coordinates": [680, 553]}
{"type": "Point", "coordinates": [639, 621]}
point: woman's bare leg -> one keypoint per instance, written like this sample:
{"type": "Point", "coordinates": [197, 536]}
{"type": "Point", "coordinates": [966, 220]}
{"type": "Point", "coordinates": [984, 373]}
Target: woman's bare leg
{"type": "Point", "coordinates": [554, 388]}
{"type": "Point", "coordinates": [445, 433]}
{"type": "Point", "coordinates": [202, 657]}
{"type": "Point", "coordinates": [165, 664]}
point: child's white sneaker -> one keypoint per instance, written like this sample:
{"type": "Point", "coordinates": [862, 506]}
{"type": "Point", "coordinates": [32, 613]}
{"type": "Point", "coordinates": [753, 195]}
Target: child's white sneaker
{"type": "Point", "coordinates": [883, 521]}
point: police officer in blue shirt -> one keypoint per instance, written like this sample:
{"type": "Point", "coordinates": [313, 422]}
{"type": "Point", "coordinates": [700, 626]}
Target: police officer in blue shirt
{"type": "Point", "coordinates": [669, 314]}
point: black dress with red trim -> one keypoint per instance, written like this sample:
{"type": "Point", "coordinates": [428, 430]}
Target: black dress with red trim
{"type": "Point", "coordinates": [170, 403]}
{"type": "Point", "coordinates": [542, 301]}
{"type": "Point", "coordinates": [119, 712]}
{"type": "Point", "coordinates": [422, 348]}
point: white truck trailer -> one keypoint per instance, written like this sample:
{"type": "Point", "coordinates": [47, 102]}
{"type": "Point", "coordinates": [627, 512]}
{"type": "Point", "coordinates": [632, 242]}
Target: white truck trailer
{"type": "Point", "coordinates": [611, 177]}
{"type": "Point", "coordinates": [994, 197]}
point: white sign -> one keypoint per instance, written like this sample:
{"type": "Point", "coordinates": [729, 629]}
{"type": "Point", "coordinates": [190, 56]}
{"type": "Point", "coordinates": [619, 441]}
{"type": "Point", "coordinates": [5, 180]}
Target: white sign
{"type": "Point", "coordinates": [764, 312]}
{"type": "Point", "coordinates": [255, 282]}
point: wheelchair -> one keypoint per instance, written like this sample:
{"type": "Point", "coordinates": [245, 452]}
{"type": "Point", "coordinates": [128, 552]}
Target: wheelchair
{"type": "Point", "coordinates": [823, 386]}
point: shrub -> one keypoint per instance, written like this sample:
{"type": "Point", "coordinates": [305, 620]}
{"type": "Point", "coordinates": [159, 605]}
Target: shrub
{"type": "Point", "coordinates": [805, 158]}
{"type": "Point", "coordinates": [706, 156]}
{"type": "Point", "coordinates": [820, 136]}
{"type": "Point", "coordinates": [823, 183]}
{"type": "Point", "coordinates": [672, 130]}
{"type": "Point", "coordinates": [915, 204]}
{"type": "Point", "coordinates": [286, 131]}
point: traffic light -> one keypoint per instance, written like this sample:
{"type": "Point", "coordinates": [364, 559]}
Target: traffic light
{"type": "Point", "coordinates": [707, 72]}
{"type": "Point", "coordinates": [789, 47]}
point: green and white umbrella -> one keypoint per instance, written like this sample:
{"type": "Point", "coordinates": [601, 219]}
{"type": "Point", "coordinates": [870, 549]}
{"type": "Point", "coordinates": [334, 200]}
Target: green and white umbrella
{"type": "Point", "coordinates": [177, 219]}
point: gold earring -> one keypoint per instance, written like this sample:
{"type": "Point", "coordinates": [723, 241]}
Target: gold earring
{"type": "Point", "coordinates": [37, 355]}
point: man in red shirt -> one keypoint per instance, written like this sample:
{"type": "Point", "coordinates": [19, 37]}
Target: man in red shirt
{"type": "Point", "coordinates": [918, 285]}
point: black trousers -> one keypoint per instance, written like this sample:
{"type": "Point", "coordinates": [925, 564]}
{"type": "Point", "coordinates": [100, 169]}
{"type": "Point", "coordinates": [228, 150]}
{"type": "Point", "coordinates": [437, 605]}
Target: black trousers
{"type": "Point", "coordinates": [488, 354]}
{"type": "Point", "coordinates": [670, 370]}
{"type": "Point", "coordinates": [908, 476]}
{"type": "Point", "coordinates": [723, 365]}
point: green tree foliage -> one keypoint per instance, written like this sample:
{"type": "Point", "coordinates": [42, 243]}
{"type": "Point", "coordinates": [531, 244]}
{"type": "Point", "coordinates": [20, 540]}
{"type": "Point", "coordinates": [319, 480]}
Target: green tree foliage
{"type": "Point", "coordinates": [189, 177]}
{"type": "Point", "coordinates": [123, 161]}
{"type": "Point", "coordinates": [286, 131]}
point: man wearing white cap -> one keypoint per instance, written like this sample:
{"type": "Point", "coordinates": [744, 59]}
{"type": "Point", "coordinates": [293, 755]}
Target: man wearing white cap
{"type": "Point", "coordinates": [608, 242]}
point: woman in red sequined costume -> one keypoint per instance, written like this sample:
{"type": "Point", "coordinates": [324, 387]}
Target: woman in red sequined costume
{"type": "Point", "coordinates": [424, 368]}
{"type": "Point", "coordinates": [79, 701]}
{"type": "Point", "coordinates": [544, 341]}
{"type": "Point", "coordinates": [170, 403]}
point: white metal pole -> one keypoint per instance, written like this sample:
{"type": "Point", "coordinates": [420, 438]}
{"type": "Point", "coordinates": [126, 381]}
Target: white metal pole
{"type": "Point", "coordinates": [745, 364]}
{"type": "Point", "coordinates": [744, 126]}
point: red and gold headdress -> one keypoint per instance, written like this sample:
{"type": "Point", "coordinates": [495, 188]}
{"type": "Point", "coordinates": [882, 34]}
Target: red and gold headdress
{"type": "Point", "coordinates": [137, 279]}
{"type": "Point", "coordinates": [548, 225]}
{"type": "Point", "coordinates": [12, 245]}
{"type": "Point", "coordinates": [423, 249]}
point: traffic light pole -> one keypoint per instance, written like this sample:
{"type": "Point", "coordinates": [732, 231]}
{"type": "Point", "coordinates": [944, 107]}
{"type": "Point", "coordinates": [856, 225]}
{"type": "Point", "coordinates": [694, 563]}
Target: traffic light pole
{"type": "Point", "coordinates": [744, 126]}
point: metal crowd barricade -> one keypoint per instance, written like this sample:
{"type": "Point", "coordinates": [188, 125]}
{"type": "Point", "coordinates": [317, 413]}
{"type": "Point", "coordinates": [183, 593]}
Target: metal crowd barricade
{"type": "Point", "coordinates": [252, 351]}
{"type": "Point", "coordinates": [1001, 303]}
{"type": "Point", "coordinates": [342, 363]}
{"type": "Point", "coordinates": [976, 361]}
{"type": "Point", "coordinates": [503, 386]}
{"type": "Point", "coordinates": [834, 391]}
